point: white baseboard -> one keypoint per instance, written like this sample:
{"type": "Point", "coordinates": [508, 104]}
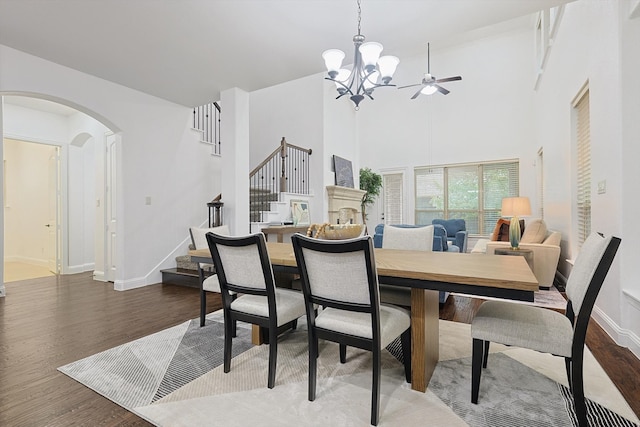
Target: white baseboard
{"type": "Point", "coordinates": [99, 276]}
{"type": "Point", "coordinates": [125, 285]}
{"type": "Point", "coordinates": [622, 337]}
{"type": "Point", "coordinates": [73, 269]}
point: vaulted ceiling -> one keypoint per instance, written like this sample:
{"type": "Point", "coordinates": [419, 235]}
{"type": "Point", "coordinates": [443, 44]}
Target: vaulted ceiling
{"type": "Point", "coordinates": [187, 51]}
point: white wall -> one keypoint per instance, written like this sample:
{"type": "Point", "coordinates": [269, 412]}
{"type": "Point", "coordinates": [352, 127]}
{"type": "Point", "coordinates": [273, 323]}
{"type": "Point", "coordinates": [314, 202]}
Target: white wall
{"type": "Point", "coordinates": [159, 158]}
{"type": "Point", "coordinates": [488, 115]}
{"type": "Point", "coordinates": [629, 332]}
{"type": "Point", "coordinates": [293, 110]}
{"type": "Point", "coordinates": [595, 43]}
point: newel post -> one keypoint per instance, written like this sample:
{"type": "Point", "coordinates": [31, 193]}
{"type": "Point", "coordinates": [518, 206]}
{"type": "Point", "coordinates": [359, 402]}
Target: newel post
{"type": "Point", "coordinates": [283, 156]}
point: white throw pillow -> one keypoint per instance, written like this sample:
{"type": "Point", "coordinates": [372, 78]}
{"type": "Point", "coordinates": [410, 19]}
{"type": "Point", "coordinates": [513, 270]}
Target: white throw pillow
{"type": "Point", "coordinates": [534, 232]}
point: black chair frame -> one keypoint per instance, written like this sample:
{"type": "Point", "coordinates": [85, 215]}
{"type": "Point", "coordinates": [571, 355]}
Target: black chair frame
{"type": "Point", "coordinates": [574, 364]}
{"type": "Point", "coordinates": [231, 316]}
{"type": "Point", "coordinates": [315, 333]}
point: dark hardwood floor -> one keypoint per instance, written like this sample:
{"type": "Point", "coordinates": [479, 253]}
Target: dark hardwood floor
{"type": "Point", "coordinates": [49, 322]}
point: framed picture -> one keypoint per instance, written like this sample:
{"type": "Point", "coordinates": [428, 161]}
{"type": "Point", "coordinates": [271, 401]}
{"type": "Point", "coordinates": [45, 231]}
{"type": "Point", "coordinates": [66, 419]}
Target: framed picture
{"type": "Point", "coordinates": [300, 212]}
{"type": "Point", "coordinates": [344, 172]}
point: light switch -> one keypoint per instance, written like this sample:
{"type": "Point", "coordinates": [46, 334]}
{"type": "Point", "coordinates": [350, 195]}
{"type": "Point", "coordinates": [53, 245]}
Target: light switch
{"type": "Point", "coordinates": [602, 187]}
{"type": "Point", "coordinates": [147, 200]}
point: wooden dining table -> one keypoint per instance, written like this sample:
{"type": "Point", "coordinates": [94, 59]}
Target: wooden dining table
{"type": "Point", "coordinates": [427, 273]}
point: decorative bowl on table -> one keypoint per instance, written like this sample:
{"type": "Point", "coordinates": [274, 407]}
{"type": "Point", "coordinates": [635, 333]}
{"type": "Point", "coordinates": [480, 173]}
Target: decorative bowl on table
{"type": "Point", "coordinates": [328, 231]}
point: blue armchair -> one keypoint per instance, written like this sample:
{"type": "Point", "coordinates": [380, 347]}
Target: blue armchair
{"type": "Point", "coordinates": [456, 232]}
{"type": "Point", "coordinates": [439, 245]}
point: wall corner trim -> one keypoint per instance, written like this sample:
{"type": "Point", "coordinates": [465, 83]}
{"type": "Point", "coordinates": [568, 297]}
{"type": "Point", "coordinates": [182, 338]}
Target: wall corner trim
{"type": "Point", "coordinates": [622, 337]}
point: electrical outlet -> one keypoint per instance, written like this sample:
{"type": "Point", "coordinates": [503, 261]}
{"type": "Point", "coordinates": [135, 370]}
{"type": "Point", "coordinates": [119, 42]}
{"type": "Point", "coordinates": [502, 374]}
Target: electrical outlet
{"type": "Point", "coordinates": [147, 200]}
{"type": "Point", "coordinates": [602, 187]}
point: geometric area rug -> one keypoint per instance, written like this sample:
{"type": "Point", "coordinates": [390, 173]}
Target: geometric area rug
{"type": "Point", "coordinates": [546, 402]}
{"type": "Point", "coordinates": [175, 378]}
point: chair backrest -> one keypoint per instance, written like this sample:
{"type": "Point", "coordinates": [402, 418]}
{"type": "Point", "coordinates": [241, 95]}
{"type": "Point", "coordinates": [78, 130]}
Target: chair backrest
{"type": "Point", "coordinates": [198, 235]}
{"type": "Point", "coordinates": [451, 225]}
{"type": "Point", "coordinates": [415, 239]}
{"type": "Point", "coordinates": [338, 273]}
{"type": "Point", "coordinates": [242, 264]}
{"type": "Point", "coordinates": [589, 271]}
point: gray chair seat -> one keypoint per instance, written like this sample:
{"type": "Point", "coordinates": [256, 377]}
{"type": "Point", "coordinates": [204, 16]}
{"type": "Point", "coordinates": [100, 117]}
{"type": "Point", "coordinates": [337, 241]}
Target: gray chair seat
{"type": "Point", "coordinates": [393, 322]}
{"type": "Point", "coordinates": [546, 331]}
{"type": "Point", "coordinates": [289, 305]}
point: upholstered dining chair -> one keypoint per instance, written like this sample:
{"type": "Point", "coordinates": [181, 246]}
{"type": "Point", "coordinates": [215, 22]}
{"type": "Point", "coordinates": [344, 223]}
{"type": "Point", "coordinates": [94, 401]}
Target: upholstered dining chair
{"type": "Point", "coordinates": [243, 266]}
{"type": "Point", "coordinates": [546, 330]}
{"type": "Point", "coordinates": [414, 239]}
{"type": "Point", "coordinates": [206, 272]}
{"type": "Point", "coordinates": [341, 276]}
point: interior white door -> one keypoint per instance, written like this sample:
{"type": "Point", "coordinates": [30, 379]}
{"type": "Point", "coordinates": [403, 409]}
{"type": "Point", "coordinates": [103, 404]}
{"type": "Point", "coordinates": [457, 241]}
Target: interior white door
{"type": "Point", "coordinates": [53, 210]}
{"type": "Point", "coordinates": [110, 208]}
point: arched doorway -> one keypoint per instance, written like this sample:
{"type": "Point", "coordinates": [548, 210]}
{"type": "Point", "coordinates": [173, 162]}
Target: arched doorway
{"type": "Point", "coordinates": [81, 140]}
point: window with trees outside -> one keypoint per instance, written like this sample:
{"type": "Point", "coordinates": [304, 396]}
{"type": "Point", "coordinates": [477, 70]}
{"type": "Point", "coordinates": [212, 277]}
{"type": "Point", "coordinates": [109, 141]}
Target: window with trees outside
{"type": "Point", "coordinates": [473, 192]}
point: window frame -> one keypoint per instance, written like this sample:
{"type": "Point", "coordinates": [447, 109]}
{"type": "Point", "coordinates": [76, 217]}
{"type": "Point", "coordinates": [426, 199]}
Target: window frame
{"type": "Point", "coordinates": [483, 213]}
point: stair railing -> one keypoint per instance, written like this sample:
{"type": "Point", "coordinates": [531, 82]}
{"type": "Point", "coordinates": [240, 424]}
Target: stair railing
{"type": "Point", "coordinates": [206, 119]}
{"type": "Point", "coordinates": [286, 169]}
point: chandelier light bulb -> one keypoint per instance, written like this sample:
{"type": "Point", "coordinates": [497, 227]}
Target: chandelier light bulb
{"type": "Point", "coordinates": [429, 90]}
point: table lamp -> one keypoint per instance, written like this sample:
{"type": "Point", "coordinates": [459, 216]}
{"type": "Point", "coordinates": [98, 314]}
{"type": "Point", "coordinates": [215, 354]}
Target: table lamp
{"type": "Point", "coordinates": [515, 207]}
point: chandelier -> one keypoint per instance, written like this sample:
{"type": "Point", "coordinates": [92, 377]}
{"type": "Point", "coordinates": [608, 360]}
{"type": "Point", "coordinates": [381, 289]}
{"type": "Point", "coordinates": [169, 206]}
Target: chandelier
{"type": "Point", "coordinates": [369, 72]}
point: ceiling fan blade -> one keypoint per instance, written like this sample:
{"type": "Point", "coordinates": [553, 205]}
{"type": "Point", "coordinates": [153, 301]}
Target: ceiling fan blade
{"type": "Point", "coordinates": [441, 89]}
{"type": "Point", "coordinates": [415, 95]}
{"type": "Point", "coordinates": [449, 79]}
{"type": "Point", "coordinates": [403, 87]}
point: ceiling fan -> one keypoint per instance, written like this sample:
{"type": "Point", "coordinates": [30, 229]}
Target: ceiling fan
{"type": "Point", "coordinates": [430, 84]}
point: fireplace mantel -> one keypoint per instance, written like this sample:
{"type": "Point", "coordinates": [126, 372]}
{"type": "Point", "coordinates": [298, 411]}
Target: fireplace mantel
{"type": "Point", "coordinates": [344, 197]}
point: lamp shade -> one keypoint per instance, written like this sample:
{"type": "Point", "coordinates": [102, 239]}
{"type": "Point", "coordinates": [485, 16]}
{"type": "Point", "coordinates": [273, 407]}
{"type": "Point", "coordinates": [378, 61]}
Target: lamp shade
{"type": "Point", "coordinates": [333, 59]}
{"type": "Point", "coordinates": [387, 65]}
{"type": "Point", "coordinates": [516, 206]}
{"type": "Point", "coordinates": [370, 52]}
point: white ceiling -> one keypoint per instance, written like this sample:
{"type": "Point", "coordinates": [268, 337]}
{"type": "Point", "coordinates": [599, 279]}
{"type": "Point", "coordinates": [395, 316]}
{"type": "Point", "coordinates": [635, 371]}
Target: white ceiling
{"type": "Point", "coordinates": [187, 51]}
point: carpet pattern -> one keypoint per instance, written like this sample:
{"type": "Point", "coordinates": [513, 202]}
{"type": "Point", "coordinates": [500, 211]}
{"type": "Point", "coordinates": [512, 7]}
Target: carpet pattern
{"type": "Point", "coordinates": [143, 371]}
{"type": "Point", "coordinates": [174, 378]}
{"type": "Point", "coordinates": [522, 390]}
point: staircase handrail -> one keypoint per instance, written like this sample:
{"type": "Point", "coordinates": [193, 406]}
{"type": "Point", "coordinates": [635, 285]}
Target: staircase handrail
{"type": "Point", "coordinates": [286, 169]}
{"type": "Point", "coordinates": [280, 149]}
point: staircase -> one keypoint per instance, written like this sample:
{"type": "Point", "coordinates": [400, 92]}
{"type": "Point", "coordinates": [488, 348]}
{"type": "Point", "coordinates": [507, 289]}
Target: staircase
{"type": "Point", "coordinates": [268, 208]}
{"type": "Point", "coordinates": [283, 176]}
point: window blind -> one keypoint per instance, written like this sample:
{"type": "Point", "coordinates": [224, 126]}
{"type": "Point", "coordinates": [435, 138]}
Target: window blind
{"type": "Point", "coordinates": [393, 198]}
{"type": "Point", "coordinates": [473, 192]}
{"type": "Point", "coordinates": [583, 164]}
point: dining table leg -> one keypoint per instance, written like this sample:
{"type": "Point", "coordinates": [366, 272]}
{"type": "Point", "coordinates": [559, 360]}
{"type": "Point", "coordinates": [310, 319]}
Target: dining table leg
{"type": "Point", "coordinates": [425, 349]}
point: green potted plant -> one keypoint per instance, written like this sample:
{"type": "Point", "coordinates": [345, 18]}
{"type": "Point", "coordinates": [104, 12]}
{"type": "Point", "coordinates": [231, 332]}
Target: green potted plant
{"type": "Point", "coordinates": [370, 182]}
